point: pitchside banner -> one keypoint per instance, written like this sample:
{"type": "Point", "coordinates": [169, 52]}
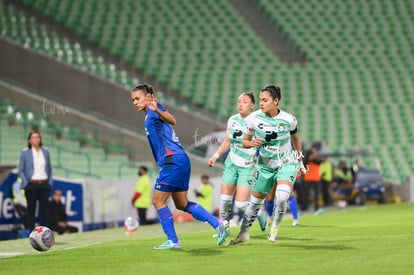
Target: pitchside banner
{"type": "Point", "coordinates": [72, 196]}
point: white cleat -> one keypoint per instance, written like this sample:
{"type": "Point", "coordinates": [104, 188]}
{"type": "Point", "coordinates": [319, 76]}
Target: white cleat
{"type": "Point", "coordinates": [295, 223]}
{"type": "Point", "coordinates": [273, 235]}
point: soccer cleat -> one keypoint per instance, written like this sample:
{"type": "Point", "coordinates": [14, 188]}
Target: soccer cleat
{"type": "Point", "coordinates": [274, 231]}
{"type": "Point", "coordinates": [262, 221]}
{"type": "Point", "coordinates": [241, 238]}
{"type": "Point", "coordinates": [221, 232]}
{"type": "Point", "coordinates": [295, 223]}
{"type": "Point", "coordinates": [168, 244]}
{"type": "Point", "coordinates": [227, 226]}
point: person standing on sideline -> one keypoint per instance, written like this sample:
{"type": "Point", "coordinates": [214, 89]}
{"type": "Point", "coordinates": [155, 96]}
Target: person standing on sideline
{"type": "Point", "coordinates": [174, 176]}
{"type": "Point", "coordinates": [205, 193]}
{"type": "Point", "coordinates": [273, 132]}
{"type": "Point", "coordinates": [238, 174]}
{"type": "Point", "coordinates": [57, 215]}
{"type": "Point", "coordinates": [326, 171]}
{"type": "Point", "coordinates": [312, 179]}
{"type": "Point", "coordinates": [35, 172]}
{"type": "Point", "coordinates": [142, 196]}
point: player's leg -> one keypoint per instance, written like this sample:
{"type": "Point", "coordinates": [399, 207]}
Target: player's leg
{"type": "Point", "coordinates": [166, 218]}
{"type": "Point", "coordinates": [270, 203]}
{"type": "Point", "coordinates": [228, 187]}
{"type": "Point", "coordinates": [245, 181]}
{"type": "Point", "coordinates": [260, 188]}
{"type": "Point", "coordinates": [285, 177]}
{"type": "Point", "coordinates": [283, 190]}
{"type": "Point", "coordinates": [293, 206]}
{"type": "Point", "coordinates": [226, 200]}
{"type": "Point", "coordinates": [242, 199]}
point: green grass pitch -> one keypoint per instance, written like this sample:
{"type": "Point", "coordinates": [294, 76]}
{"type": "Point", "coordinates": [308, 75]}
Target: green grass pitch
{"type": "Point", "coordinates": [368, 240]}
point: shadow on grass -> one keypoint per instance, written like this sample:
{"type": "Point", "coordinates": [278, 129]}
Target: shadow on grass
{"type": "Point", "coordinates": [203, 251]}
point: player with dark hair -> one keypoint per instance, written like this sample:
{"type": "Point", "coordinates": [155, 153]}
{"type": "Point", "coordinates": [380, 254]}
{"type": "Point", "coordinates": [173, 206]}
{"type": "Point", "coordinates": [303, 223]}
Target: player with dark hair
{"type": "Point", "coordinates": [238, 174]}
{"type": "Point", "coordinates": [273, 132]}
{"type": "Point", "coordinates": [174, 175]}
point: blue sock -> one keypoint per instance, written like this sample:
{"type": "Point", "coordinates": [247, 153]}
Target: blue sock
{"type": "Point", "coordinates": [269, 205]}
{"type": "Point", "coordinates": [293, 206]}
{"type": "Point", "coordinates": [167, 223]}
{"type": "Point", "coordinates": [199, 213]}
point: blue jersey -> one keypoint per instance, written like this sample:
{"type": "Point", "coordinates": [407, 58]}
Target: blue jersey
{"type": "Point", "coordinates": [161, 136]}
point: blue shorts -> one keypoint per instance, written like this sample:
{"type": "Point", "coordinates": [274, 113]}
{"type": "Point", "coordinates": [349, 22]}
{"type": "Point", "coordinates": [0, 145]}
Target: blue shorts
{"type": "Point", "coordinates": [174, 175]}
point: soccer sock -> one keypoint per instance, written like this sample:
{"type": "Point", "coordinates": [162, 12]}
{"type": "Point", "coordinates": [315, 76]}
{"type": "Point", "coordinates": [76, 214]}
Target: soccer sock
{"type": "Point", "coordinates": [293, 206]}
{"type": "Point", "coordinates": [225, 206]}
{"type": "Point", "coordinates": [167, 223]}
{"type": "Point", "coordinates": [241, 208]}
{"type": "Point", "coordinates": [270, 205]}
{"type": "Point", "coordinates": [282, 195]}
{"type": "Point", "coordinates": [199, 213]}
{"type": "Point", "coordinates": [251, 213]}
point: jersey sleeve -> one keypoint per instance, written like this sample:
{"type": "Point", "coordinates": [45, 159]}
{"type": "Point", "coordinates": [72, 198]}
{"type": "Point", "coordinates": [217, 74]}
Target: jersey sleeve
{"type": "Point", "coordinates": [160, 106]}
{"type": "Point", "coordinates": [293, 126]}
{"type": "Point", "coordinates": [249, 130]}
{"type": "Point", "coordinates": [228, 126]}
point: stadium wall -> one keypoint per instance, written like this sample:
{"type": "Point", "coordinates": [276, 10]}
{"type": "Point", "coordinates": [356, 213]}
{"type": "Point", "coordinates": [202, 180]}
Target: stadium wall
{"type": "Point", "coordinates": [59, 80]}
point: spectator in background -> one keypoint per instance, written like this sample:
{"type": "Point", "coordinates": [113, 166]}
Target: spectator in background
{"type": "Point", "coordinates": [19, 201]}
{"type": "Point", "coordinates": [205, 193]}
{"type": "Point", "coordinates": [35, 172]}
{"type": "Point", "coordinates": [343, 176]}
{"type": "Point", "coordinates": [312, 179]}
{"type": "Point", "coordinates": [58, 219]}
{"type": "Point", "coordinates": [326, 171]}
{"type": "Point", "coordinates": [142, 196]}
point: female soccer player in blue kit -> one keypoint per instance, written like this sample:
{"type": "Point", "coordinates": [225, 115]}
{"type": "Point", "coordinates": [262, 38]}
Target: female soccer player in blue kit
{"type": "Point", "coordinates": [174, 175]}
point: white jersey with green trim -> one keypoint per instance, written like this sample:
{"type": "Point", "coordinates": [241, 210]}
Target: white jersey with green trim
{"type": "Point", "coordinates": [239, 155]}
{"type": "Point", "coordinates": [275, 135]}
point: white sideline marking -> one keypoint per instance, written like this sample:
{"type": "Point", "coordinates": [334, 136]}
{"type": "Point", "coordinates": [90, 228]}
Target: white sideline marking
{"type": "Point", "coordinates": [10, 254]}
{"type": "Point", "coordinates": [81, 246]}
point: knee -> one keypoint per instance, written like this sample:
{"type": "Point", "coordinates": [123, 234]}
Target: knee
{"type": "Point", "coordinates": [282, 193]}
{"type": "Point", "coordinates": [158, 204]}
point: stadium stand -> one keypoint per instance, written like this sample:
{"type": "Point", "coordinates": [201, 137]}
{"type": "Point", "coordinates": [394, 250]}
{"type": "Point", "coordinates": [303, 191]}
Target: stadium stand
{"type": "Point", "coordinates": [354, 93]}
{"type": "Point", "coordinates": [70, 158]}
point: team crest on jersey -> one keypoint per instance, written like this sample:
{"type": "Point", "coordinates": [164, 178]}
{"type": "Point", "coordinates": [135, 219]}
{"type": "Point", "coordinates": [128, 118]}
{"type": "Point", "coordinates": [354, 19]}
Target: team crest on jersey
{"type": "Point", "coordinates": [281, 127]}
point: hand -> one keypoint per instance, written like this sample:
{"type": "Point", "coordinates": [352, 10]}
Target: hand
{"type": "Point", "coordinates": [211, 161]}
{"type": "Point", "coordinates": [152, 103]}
{"type": "Point", "coordinates": [256, 143]}
{"type": "Point", "coordinates": [302, 169]}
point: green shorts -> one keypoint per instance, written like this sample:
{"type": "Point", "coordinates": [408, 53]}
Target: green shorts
{"type": "Point", "coordinates": [266, 177]}
{"type": "Point", "coordinates": [236, 175]}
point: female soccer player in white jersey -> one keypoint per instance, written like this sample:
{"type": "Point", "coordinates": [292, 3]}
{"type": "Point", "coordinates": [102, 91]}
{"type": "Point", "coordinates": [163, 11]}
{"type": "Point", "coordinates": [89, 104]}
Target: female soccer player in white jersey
{"type": "Point", "coordinates": [272, 131]}
{"type": "Point", "coordinates": [174, 175]}
{"type": "Point", "coordinates": [239, 165]}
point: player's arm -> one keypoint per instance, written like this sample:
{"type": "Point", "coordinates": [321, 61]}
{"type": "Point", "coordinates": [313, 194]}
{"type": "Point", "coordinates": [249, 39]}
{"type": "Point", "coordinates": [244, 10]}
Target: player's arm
{"type": "Point", "coordinates": [297, 145]}
{"type": "Point", "coordinates": [166, 116]}
{"type": "Point", "coordinates": [224, 147]}
{"type": "Point", "coordinates": [249, 142]}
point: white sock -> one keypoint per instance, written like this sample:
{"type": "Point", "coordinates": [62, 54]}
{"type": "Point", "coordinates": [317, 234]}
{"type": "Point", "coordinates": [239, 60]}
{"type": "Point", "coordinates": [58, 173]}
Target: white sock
{"type": "Point", "coordinates": [225, 206]}
{"type": "Point", "coordinates": [282, 195]}
{"type": "Point", "coordinates": [251, 213]}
